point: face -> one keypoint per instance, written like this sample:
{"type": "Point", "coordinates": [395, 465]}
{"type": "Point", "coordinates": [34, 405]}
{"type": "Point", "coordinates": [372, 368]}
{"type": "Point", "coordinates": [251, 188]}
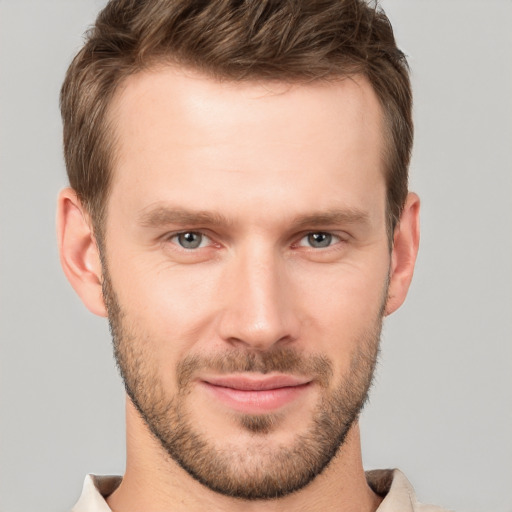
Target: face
{"type": "Point", "coordinates": [246, 264]}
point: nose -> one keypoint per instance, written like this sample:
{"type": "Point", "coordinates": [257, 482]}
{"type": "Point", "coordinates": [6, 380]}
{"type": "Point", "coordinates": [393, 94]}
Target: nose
{"type": "Point", "coordinates": [258, 301]}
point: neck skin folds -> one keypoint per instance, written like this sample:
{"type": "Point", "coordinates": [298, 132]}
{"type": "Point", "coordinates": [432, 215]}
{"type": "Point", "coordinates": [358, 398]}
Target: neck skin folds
{"type": "Point", "coordinates": [154, 482]}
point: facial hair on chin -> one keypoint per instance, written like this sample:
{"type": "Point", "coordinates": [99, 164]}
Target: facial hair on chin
{"type": "Point", "coordinates": [255, 472]}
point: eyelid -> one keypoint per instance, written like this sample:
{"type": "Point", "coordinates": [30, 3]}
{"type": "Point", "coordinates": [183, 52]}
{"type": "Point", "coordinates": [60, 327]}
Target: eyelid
{"type": "Point", "coordinates": [336, 236]}
{"type": "Point", "coordinates": [171, 237]}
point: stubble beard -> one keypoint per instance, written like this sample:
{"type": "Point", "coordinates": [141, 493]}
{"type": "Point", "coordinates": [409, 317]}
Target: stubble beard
{"type": "Point", "coordinates": [257, 471]}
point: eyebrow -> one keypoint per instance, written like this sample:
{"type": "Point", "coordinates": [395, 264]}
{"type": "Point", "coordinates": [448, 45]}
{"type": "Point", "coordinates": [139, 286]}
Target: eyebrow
{"type": "Point", "coordinates": [332, 217]}
{"type": "Point", "coordinates": [164, 215]}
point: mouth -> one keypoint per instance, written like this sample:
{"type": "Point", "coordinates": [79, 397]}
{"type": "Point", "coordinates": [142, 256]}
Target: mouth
{"type": "Point", "coordinates": [256, 394]}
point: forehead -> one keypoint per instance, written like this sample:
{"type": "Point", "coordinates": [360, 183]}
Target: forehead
{"type": "Point", "coordinates": [186, 96]}
{"type": "Point", "coordinates": [176, 126]}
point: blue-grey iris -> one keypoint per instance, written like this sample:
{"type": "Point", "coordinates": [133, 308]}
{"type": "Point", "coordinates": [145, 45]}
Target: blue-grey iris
{"type": "Point", "coordinates": [190, 240]}
{"type": "Point", "coordinates": [319, 240]}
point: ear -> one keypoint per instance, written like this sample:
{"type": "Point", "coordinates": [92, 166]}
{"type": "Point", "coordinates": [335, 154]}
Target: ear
{"type": "Point", "coordinates": [403, 257]}
{"type": "Point", "coordinates": [79, 254]}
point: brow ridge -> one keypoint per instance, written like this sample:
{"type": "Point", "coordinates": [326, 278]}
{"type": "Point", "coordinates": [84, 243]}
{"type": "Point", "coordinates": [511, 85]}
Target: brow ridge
{"type": "Point", "coordinates": [165, 215]}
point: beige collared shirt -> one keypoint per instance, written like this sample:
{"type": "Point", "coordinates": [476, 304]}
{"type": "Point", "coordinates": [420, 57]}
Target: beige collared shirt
{"type": "Point", "coordinates": [398, 492]}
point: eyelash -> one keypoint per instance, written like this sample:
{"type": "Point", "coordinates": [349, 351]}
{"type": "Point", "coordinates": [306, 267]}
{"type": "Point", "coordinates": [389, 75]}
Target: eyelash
{"type": "Point", "coordinates": [176, 236]}
{"type": "Point", "coordinates": [332, 239]}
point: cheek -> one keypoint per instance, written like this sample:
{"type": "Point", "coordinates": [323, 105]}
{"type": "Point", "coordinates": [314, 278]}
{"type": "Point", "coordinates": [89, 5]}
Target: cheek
{"type": "Point", "coordinates": [168, 306]}
{"type": "Point", "coordinates": [180, 301]}
{"type": "Point", "coordinates": [174, 310]}
{"type": "Point", "coordinates": [342, 308]}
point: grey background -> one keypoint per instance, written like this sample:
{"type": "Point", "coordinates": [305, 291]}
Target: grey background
{"type": "Point", "coordinates": [441, 407]}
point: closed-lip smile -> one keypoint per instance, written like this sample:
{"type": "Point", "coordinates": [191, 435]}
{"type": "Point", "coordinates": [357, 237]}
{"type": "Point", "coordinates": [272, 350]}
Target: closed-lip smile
{"type": "Point", "coordinates": [255, 393]}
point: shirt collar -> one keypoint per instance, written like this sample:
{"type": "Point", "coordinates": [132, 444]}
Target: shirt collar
{"type": "Point", "coordinates": [96, 488]}
{"type": "Point", "coordinates": [394, 487]}
{"type": "Point", "coordinates": [391, 484]}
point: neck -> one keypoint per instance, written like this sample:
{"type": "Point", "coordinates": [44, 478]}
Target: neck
{"type": "Point", "coordinates": [154, 482]}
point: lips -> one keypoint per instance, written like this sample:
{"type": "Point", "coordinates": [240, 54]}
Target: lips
{"type": "Point", "coordinates": [256, 393]}
{"type": "Point", "coordinates": [256, 382]}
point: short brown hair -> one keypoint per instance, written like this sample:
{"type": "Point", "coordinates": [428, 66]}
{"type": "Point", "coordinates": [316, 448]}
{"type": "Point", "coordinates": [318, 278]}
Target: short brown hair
{"type": "Point", "coordinates": [288, 40]}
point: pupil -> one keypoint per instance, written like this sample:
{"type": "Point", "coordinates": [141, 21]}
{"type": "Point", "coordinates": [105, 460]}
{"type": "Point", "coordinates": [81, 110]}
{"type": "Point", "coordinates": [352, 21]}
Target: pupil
{"type": "Point", "coordinates": [190, 240]}
{"type": "Point", "coordinates": [320, 239]}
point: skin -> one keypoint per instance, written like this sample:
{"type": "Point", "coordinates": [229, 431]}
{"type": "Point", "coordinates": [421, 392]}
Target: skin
{"type": "Point", "coordinates": [270, 163]}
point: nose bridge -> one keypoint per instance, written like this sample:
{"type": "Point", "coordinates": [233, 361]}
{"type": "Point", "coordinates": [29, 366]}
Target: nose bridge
{"type": "Point", "coordinates": [258, 310]}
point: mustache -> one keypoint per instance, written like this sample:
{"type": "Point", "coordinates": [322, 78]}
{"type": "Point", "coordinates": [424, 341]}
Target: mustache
{"type": "Point", "coordinates": [279, 360]}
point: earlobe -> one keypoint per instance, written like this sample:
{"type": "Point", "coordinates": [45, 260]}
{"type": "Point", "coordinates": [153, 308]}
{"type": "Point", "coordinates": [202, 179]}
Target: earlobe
{"type": "Point", "coordinates": [405, 250]}
{"type": "Point", "coordinates": [79, 254]}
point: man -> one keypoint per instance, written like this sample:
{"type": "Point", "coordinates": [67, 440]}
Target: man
{"type": "Point", "coordinates": [239, 209]}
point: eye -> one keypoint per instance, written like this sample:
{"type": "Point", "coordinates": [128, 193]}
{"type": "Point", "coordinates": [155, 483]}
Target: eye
{"type": "Point", "coordinates": [319, 240]}
{"type": "Point", "coordinates": [190, 240]}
